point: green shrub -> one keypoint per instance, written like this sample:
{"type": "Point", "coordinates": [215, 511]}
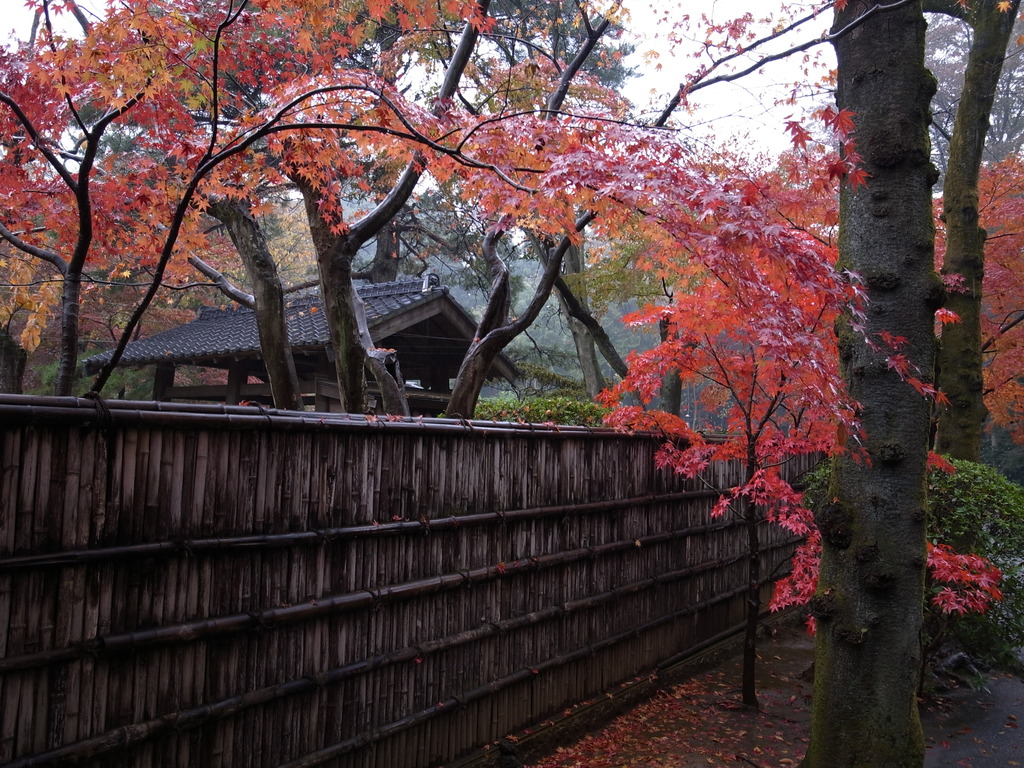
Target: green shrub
{"type": "Point", "coordinates": [978, 510]}
{"type": "Point", "coordinates": [542, 409]}
{"type": "Point", "coordinates": [975, 510]}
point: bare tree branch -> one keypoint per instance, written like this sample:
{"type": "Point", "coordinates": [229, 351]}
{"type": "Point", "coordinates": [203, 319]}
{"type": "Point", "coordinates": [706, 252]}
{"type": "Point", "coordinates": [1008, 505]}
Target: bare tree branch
{"type": "Point", "coordinates": [687, 88]}
{"type": "Point", "coordinates": [45, 254]}
{"type": "Point", "coordinates": [226, 287]}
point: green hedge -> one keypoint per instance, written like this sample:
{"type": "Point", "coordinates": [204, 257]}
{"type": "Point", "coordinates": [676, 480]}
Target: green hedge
{"type": "Point", "coordinates": [542, 409]}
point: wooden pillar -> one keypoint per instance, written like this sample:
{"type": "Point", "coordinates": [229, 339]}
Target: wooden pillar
{"type": "Point", "coordinates": [163, 380]}
{"type": "Point", "coordinates": [238, 373]}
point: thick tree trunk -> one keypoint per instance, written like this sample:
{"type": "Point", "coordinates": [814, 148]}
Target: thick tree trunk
{"type": "Point", "coordinates": [384, 267]}
{"type": "Point", "coordinates": [346, 315]}
{"type": "Point", "coordinates": [268, 296]}
{"type": "Point", "coordinates": [12, 364]}
{"type": "Point", "coordinates": [960, 366]}
{"type": "Point", "coordinates": [334, 264]}
{"type": "Point", "coordinates": [869, 600]}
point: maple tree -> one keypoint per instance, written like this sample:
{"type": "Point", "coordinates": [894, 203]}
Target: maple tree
{"type": "Point", "coordinates": [57, 181]}
{"type": "Point", "coordinates": [185, 124]}
{"type": "Point", "coordinates": [93, 185]}
{"type": "Point", "coordinates": [562, 233]}
{"type": "Point", "coordinates": [1002, 321]}
{"type": "Point", "coordinates": [759, 341]}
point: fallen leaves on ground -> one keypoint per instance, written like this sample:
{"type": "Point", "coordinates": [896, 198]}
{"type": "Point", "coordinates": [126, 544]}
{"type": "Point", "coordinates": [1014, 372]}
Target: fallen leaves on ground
{"type": "Point", "coordinates": [698, 723]}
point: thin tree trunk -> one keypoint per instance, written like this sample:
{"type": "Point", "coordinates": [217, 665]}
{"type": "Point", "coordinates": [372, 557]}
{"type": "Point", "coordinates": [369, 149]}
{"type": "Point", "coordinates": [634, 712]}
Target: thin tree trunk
{"type": "Point", "coordinates": [71, 310]}
{"type": "Point", "coordinates": [960, 362]}
{"type": "Point", "coordinates": [589, 337]}
{"type": "Point", "coordinates": [586, 351]}
{"type": "Point", "coordinates": [870, 595]}
{"type": "Point", "coordinates": [750, 515]}
{"type": "Point", "coordinates": [671, 384]}
{"type": "Point", "coordinates": [268, 299]}
{"type": "Point", "coordinates": [391, 385]}
{"type": "Point", "coordinates": [599, 335]}
{"type": "Point", "coordinates": [583, 339]}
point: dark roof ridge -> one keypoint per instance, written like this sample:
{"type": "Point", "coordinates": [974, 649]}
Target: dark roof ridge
{"type": "Point", "coordinates": [393, 288]}
{"type": "Point", "coordinates": [312, 298]}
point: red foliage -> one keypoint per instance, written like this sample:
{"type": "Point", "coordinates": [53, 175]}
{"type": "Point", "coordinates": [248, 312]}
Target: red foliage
{"type": "Point", "coordinates": [1002, 212]}
{"type": "Point", "coordinates": [961, 583]}
{"type": "Point", "coordinates": [755, 297]}
{"type": "Point", "coordinates": [966, 583]}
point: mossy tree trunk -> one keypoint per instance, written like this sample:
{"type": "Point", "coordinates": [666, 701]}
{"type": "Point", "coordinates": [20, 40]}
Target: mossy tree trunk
{"type": "Point", "coordinates": [960, 361]}
{"type": "Point", "coordinates": [268, 299]}
{"type": "Point", "coordinates": [334, 257]}
{"type": "Point", "coordinates": [870, 594]}
{"type": "Point", "coordinates": [346, 315]}
{"type": "Point", "coordinates": [386, 256]}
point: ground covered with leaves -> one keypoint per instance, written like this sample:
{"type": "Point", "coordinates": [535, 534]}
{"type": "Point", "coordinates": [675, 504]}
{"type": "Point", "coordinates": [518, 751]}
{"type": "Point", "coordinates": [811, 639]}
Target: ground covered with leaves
{"type": "Point", "coordinates": [702, 722]}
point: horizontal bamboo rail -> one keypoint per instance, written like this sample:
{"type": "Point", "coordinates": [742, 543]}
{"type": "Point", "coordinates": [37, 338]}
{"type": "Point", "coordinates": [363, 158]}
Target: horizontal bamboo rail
{"type": "Point", "coordinates": [16, 409]}
{"type": "Point", "coordinates": [369, 598]}
{"type": "Point", "coordinates": [223, 586]}
{"type": "Point", "coordinates": [318, 537]}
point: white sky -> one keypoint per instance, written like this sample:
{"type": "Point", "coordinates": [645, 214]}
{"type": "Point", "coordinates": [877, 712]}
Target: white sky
{"type": "Point", "coordinates": [745, 110]}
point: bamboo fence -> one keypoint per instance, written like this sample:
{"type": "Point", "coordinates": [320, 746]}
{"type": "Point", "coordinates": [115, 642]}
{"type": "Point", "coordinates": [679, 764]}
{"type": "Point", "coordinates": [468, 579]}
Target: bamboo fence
{"type": "Point", "coordinates": [227, 586]}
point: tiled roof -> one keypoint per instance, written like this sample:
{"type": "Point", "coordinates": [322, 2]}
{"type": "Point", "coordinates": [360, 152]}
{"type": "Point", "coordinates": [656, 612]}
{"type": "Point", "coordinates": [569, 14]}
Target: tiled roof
{"type": "Point", "coordinates": [228, 332]}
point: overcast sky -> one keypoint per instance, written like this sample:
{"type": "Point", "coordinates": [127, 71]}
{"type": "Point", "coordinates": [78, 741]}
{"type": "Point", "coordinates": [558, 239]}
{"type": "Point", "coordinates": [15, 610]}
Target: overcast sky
{"type": "Point", "coordinates": [748, 108]}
